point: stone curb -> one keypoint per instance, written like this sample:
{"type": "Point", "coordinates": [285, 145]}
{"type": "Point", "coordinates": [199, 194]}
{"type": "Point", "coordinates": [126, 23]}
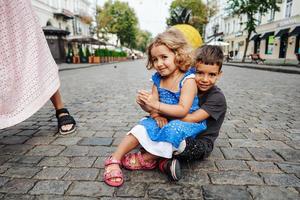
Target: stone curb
{"type": "Point", "coordinates": [74, 67]}
{"type": "Point", "coordinates": [266, 68]}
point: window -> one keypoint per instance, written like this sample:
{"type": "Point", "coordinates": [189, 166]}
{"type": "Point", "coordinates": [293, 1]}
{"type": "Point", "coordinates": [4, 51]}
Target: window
{"type": "Point", "coordinates": [272, 15]}
{"type": "Point", "coordinates": [297, 45]}
{"type": "Point", "coordinates": [269, 44]}
{"type": "Point", "coordinates": [49, 23]}
{"type": "Point", "coordinates": [259, 18]}
{"type": "Point", "coordinates": [240, 24]}
{"type": "Point", "coordinates": [288, 8]}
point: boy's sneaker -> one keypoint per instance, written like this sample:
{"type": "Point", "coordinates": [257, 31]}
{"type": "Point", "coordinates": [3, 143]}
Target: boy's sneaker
{"type": "Point", "coordinates": [170, 167]}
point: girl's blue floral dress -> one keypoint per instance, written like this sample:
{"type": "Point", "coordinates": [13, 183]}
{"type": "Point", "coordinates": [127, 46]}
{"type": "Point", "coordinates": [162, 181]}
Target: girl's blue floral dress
{"type": "Point", "coordinates": [175, 131]}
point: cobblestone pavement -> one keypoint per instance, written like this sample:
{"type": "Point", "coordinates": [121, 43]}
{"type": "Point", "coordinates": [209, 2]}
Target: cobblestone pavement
{"type": "Point", "coordinates": [256, 156]}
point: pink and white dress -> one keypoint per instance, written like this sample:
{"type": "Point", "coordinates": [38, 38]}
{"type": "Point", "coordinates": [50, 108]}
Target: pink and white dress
{"type": "Point", "coordinates": [28, 72]}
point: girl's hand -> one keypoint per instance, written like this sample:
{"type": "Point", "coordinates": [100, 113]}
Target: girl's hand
{"type": "Point", "coordinates": [161, 121]}
{"type": "Point", "coordinates": [148, 99]}
{"type": "Point", "coordinates": [142, 104]}
{"type": "Point", "coordinates": [139, 101]}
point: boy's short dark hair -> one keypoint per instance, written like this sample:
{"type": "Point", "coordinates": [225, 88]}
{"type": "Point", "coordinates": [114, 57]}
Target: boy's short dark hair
{"type": "Point", "coordinates": [210, 55]}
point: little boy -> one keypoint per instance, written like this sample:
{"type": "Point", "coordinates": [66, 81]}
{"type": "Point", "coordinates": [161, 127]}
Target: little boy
{"type": "Point", "coordinates": [208, 67]}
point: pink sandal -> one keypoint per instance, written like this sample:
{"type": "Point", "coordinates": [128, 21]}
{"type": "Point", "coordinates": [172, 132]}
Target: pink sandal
{"type": "Point", "coordinates": [129, 162]}
{"type": "Point", "coordinates": [108, 175]}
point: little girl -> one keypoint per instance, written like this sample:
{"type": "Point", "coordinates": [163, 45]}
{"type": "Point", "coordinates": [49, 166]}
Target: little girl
{"type": "Point", "coordinates": [173, 96]}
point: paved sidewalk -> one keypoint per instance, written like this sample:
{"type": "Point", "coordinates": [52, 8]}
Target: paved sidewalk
{"type": "Point", "coordinates": [67, 66]}
{"type": "Point", "coordinates": [257, 155]}
{"type": "Point", "coordinates": [275, 68]}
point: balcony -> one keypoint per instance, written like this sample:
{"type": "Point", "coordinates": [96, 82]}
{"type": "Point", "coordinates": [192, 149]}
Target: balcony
{"type": "Point", "coordinates": [66, 14]}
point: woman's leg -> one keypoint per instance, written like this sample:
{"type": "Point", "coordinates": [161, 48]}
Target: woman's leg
{"type": "Point", "coordinates": [57, 100]}
{"type": "Point", "coordinates": [58, 104]}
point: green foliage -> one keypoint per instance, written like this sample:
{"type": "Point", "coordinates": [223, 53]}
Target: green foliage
{"type": "Point", "coordinates": [101, 52]}
{"type": "Point", "coordinates": [250, 9]}
{"type": "Point", "coordinates": [118, 18]}
{"type": "Point", "coordinates": [87, 52]}
{"type": "Point", "coordinates": [193, 12]}
{"type": "Point", "coordinates": [123, 54]}
{"type": "Point", "coordinates": [97, 53]}
{"type": "Point", "coordinates": [109, 53]}
{"type": "Point", "coordinates": [82, 56]}
{"type": "Point", "coordinates": [70, 52]}
{"type": "Point", "coordinates": [142, 40]}
{"type": "Point", "coordinates": [81, 53]}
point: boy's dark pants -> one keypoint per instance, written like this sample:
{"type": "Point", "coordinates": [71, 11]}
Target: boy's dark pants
{"type": "Point", "coordinates": [197, 149]}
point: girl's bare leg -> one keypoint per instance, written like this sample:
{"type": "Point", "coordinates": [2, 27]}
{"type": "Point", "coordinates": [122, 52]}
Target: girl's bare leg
{"type": "Point", "coordinates": [128, 143]}
{"type": "Point", "coordinates": [149, 157]}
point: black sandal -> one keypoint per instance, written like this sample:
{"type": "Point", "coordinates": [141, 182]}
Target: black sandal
{"type": "Point", "coordinates": [65, 120]}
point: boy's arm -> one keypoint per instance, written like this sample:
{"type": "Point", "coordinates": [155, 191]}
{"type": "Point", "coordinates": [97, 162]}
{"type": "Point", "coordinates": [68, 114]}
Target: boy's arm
{"type": "Point", "coordinates": [197, 116]}
{"type": "Point", "coordinates": [213, 107]}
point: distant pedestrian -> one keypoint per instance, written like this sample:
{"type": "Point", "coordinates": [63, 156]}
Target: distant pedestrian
{"type": "Point", "coordinates": [213, 108]}
{"type": "Point", "coordinates": [173, 96]}
{"type": "Point", "coordinates": [28, 72]}
{"type": "Point", "coordinates": [132, 56]}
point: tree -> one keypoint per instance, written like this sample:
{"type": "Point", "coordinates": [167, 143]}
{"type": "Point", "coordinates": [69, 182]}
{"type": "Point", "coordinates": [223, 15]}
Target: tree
{"type": "Point", "coordinates": [193, 12]}
{"type": "Point", "coordinates": [142, 40]}
{"type": "Point", "coordinates": [251, 8]}
{"type": "Point", "coordinates": [118, 18]}
{"type": "Point", "coordinates": [101, 25]}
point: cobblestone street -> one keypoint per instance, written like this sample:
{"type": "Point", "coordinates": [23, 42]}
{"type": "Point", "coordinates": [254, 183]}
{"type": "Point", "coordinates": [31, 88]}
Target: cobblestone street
{"type": "Point", "coordinates": [256, 156]}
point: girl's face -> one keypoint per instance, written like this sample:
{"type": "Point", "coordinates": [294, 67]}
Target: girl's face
{"type": "Point", "coordinates": [163, 60]}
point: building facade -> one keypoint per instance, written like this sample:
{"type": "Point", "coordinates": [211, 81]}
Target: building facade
{"type": "Point", "coordinates": [214, 30]}
{"type": "Point", "coordinates": [277, 37]}
{"type": "Point", "coordinates": [60, 18]}
{"type": "Point", "coordinates": [70, 15]}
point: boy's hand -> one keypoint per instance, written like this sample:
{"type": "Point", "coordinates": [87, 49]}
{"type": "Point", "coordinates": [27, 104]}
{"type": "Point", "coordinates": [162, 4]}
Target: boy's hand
{"type": "Point", "coordinates": [148, 99]}
{"type": "Point", "coordinates": [161, 121]}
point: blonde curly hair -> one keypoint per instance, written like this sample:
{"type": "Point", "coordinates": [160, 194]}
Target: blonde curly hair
{"type": "Point", "coordinates": [174, 40]}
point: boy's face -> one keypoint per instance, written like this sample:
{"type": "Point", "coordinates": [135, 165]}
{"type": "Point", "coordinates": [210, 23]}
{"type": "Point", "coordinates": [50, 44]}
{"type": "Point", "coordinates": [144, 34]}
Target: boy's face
{"type": "Point", "coordinates": [206, 76]}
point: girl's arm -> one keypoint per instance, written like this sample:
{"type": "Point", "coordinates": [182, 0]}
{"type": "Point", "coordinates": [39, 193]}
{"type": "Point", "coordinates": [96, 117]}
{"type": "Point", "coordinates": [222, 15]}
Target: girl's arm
{"type": "Point", "coordinates": [142, 104]}
{"type": "Point", "coordinates": [161, 121]}
{"type": "Point", "coordinates": [197, 116]}
{"type": "Point", "coordinates": [188, 92]}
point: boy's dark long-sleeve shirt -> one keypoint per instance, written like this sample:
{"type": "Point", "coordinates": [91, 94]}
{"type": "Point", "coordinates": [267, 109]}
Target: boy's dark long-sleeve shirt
{"type": "Point", "coordinates": [214, 103]}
